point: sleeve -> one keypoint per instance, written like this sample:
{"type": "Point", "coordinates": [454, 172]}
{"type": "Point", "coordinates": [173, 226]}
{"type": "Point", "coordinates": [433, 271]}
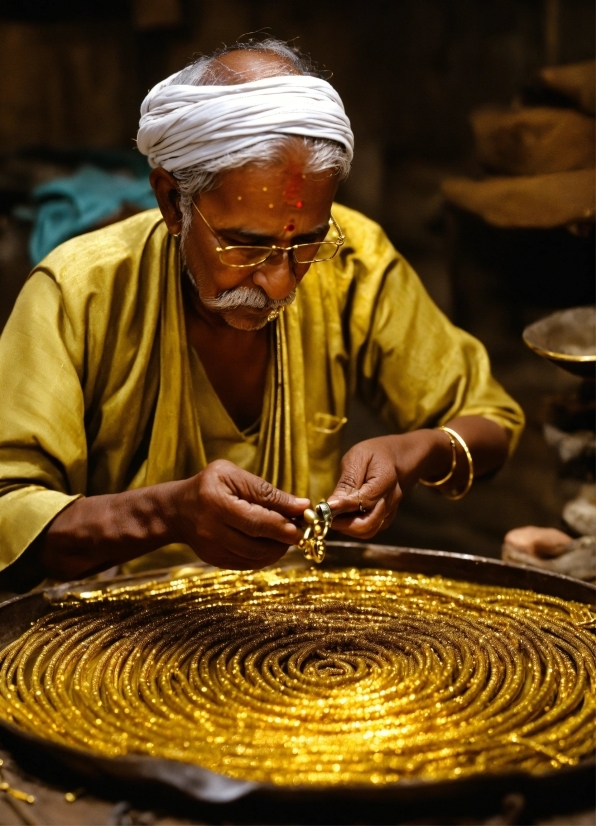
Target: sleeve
{"type": "Point", "coordinates": [43, 448]}
{"type": "Point", "coordinates": [415, 367]}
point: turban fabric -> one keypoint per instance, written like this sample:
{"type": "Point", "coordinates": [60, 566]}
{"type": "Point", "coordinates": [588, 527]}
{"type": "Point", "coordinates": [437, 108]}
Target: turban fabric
{"type": "Point", "coordinates": [184, 125]}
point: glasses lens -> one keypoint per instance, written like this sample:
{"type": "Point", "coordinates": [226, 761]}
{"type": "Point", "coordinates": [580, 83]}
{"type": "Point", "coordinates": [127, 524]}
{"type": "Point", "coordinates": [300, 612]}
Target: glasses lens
{"type": "Point", "coordinates": [305, 253]}
{"type": "Point", "coordinates": [244, 256]}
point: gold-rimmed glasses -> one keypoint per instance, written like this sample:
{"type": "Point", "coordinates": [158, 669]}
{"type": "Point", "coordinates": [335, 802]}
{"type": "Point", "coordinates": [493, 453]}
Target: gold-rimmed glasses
{"type": "Point", "coordinates": [241, 255]}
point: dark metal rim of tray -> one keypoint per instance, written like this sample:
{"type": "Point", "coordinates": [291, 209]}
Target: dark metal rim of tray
{"type": "Point", "coordinates": [16, 615]}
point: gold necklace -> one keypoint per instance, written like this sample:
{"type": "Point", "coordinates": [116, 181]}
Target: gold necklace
{"type": "Point", "coordinates": [312, 677]}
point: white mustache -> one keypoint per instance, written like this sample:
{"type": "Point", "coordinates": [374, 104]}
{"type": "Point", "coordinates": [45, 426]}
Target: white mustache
{"type": "Point", "coordinates": [253, 297]}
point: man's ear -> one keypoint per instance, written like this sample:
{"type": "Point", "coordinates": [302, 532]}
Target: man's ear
{"type": "Point", "coordinates": [168, 198]}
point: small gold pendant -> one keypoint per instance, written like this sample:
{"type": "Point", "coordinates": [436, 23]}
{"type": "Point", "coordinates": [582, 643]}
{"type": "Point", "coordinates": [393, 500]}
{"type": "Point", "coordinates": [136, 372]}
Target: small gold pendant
{"type": "Point", "coordinates": [319, 521]}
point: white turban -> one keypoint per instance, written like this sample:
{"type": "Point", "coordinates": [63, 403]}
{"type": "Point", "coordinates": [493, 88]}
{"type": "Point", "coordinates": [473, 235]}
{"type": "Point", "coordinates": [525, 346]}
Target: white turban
{"type": "Point", "coordinates": [184, 125]}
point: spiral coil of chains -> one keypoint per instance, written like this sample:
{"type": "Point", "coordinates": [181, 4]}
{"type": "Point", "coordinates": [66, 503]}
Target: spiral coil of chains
{"type": "Point", "coordinates": [312, 677]}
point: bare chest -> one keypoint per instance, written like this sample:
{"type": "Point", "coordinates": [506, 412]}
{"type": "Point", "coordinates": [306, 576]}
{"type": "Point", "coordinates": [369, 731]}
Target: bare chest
{"type": "Point", "coordinates": [236, 365]}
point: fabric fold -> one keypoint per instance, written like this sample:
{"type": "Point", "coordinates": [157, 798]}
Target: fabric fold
{"type": "Point", "coordinates": [97, 390]}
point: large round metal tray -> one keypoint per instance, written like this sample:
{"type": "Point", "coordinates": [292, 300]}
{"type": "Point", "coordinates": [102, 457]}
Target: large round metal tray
{"type": "Point", "coordinates": [145, 773]}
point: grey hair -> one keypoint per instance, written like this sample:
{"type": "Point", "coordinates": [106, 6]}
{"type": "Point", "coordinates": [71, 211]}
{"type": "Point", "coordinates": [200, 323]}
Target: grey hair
{"type": "Point", "coordinates": [320, 155]}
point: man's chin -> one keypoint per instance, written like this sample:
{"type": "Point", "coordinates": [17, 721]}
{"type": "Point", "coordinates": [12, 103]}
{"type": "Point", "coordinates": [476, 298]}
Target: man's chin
{"type": "Point", "coordinates": [242, 319]}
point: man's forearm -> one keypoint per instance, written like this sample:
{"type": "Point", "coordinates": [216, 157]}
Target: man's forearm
{"type": "Point", "coordinates": [487, 441]}
{"type": "Point", "coordinates": [94, 533]}
{"type": "Point", "coordinates": [427, 453]}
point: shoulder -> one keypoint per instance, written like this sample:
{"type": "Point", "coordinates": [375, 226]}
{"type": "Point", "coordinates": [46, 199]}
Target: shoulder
{"type": "Point", "coordinates": [357, 228]}
{"type": "Point", "coordinates": [364, 238]}
{"type": "Point", "coordinates": [367, 252]}
{"type": "Point", "coordinates": [96, 257]}
{"type": "Point", "coordinates": [363, 262]}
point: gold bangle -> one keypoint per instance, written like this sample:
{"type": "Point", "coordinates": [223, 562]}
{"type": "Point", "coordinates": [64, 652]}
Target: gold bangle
{"type": "Point", "coordinates": [454, 495]}
{"type": "Point", "coordinates": [451, 469]}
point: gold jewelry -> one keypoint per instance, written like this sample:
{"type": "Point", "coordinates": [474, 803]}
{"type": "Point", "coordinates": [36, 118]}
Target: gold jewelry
{"type": "Point", "coordinates": [317, 678]}
{"type": "Point", "coordinates": [361, 507]}
{"type": "Point", "coordinates": [319, 521]}
{"type": "Point", "coordinates": [273, 315]}
{"type": "Point", "coordinates": [18, 794]}
{"type": "Point", "coordinates": [454, 495]}
{"type": "Point", "coordinates": [453, 463]}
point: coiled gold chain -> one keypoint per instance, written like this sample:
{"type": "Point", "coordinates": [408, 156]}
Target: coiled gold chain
{"type": "Point", "coordinates": [312, 677]}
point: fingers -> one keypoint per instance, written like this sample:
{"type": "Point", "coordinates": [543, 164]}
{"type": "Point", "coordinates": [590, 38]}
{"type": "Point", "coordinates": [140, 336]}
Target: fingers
{"type": "Point", "coordinates": [258, 522]}
{"type": "Point", "coordinates": [348, 494]}
{"type": "Point", "coordinates": [258, 552]}
{"type": "Point", "coordinates": [378, 517]}
{"type": "Point", "coordinates": [363, 525]}
{"type": "Point", "coordinates": [236, 520]}
{"type": "Point", "coordinates": [257, 509]}
{"type": "Point", "coordinates": [248, 487]}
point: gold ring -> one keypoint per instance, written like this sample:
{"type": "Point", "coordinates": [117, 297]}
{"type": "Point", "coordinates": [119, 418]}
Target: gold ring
{"type": "Point", "coordinates": [361, 507]}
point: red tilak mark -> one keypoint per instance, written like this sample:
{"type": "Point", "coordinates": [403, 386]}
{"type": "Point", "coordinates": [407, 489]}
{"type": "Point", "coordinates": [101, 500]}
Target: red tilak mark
{"type": "Point", "coordinates": [293, 188]}
{"type": "Point", "coordinates": [289, 228]}
{"type": "Point", "coordinates": [299, 204]}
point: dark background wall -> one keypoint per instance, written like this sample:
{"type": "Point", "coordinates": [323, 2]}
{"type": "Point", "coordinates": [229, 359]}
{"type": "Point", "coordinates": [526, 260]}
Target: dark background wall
{"type": "Point", "coordinates": [73, 74]}
{"type": "Point", "coordinates": [409, 71]}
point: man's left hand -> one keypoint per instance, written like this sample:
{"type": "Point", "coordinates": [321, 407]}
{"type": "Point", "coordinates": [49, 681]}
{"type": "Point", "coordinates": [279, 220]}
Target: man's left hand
{"type": "Point", "coordinates": [376, 473]}
{"type": "Point", "coordinates": [374, 476]}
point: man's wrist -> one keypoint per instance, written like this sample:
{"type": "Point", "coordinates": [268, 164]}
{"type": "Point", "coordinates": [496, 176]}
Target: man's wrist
{"type": "Point", "coordinates": [99, 531]}
{"type": "Point", "coordinates": [164, 502]}
{"type": "Point", "coordinates": [147, 516]}
{"type": "Point", "coordinates": [438, 457]}
{"type": "Point", "coordinates": [430, 453]}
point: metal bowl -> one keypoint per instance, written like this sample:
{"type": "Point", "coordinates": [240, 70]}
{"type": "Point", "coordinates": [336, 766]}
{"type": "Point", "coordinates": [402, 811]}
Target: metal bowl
{"type": "Point", "coordinates": [226, 799]}
{"type": "Point", "coordinates": [567, 338]}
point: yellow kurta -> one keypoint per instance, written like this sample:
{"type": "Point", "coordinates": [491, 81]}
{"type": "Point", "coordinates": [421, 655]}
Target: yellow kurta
{"type": "Point", "coordinates": [98, 393]}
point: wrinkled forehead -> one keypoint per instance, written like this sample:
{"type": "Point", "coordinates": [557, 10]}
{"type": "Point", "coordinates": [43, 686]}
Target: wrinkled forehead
{"type": "Point", "coordinates": [290, 182]}
{"type": "Point", "coordinates": [271, 200]}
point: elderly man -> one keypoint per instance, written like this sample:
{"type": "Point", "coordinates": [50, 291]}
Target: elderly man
{"type": "Point", "coordinates": [180, 380]}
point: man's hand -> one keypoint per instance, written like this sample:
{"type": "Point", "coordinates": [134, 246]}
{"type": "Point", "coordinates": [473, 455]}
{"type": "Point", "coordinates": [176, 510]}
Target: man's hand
{"type": "Point", "coordinates": [233, 519]}
{"type": "Point", "coordinates": [229, 517]}
{"type": "Point", "coordinates": [376, 473]}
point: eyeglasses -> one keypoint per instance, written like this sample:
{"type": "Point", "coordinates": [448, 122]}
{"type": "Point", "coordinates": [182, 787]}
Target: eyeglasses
{"type": "Point", "coordinates": [249, 256]}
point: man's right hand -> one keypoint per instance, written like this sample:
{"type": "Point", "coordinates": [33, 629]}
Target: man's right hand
{"type": "Point", "coordinates": [229, 517]}
{"type": "Point", "coordinates": [234, 519]}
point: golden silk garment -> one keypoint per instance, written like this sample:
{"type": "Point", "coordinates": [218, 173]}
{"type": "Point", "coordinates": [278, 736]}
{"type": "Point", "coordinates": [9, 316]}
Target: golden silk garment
{"type": "Point", "coordinates": [97, 389]}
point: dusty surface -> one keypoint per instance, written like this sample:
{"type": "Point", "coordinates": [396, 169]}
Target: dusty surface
{"type": "Point", "coordinates": [109, 807]}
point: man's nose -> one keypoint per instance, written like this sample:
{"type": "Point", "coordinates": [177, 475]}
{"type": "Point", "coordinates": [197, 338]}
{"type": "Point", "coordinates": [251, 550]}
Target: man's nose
{"type": "Point", "coordinates": [276, 275]}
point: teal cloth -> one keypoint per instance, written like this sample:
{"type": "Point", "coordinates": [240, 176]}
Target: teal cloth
{"type": "Point", "coordinates": [70, 206]}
